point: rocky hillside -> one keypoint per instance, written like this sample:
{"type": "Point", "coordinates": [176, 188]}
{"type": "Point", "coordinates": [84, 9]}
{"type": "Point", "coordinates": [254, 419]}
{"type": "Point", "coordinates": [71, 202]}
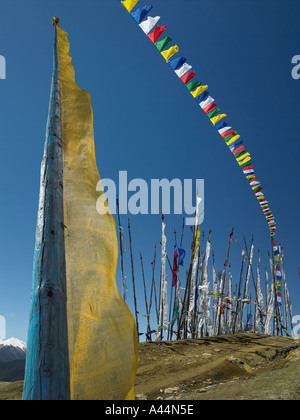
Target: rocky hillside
{"type": "Point", "coordinates": [235, 367]}
{"type": "Point", "coordinates": [230, 367]}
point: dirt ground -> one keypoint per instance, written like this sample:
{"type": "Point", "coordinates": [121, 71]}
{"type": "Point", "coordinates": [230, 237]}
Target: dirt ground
{"type": "Point", "coordinates": [11, 390]}
{"type": "Point", "coordinates": [230, 367]}
{"type": "Point", "coordinates": [235, 367]}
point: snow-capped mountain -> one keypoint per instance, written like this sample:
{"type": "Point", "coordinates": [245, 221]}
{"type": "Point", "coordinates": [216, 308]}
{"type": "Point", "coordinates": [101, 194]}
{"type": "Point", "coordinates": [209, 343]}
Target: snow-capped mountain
{"type": "Point", "coordinates": [12, 349]}
{"type": "Point", "coordinates": [12, 360]}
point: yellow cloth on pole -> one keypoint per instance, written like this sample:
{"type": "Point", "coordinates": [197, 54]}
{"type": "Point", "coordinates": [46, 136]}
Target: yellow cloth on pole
{"type": "Point", "coordinates": [102, 334]}
{"type": "Point", "coordinates": [196, 244]}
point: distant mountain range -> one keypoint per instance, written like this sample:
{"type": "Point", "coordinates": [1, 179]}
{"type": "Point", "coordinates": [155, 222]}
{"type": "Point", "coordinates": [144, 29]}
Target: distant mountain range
{"type": "Point", "coordinates": [12, 360]}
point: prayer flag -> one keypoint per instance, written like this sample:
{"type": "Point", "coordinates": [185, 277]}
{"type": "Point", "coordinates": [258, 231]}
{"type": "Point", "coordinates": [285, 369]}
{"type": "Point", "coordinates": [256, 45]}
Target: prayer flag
{"type": "Point", "coordinates": [160, 45]}
{"type": "Point", "coordinates": [82, 339]}
{"type": "Point", "coordinates": [140, 14]}
{"type": "Point", "coordinates": [188, 77]}
{"type": "Point", "coordinates": [149, 24]}
{"type": "Point", "coordinates": [158, 31]}
{"type": "Point", "coordinates": [170, 52]}
{"type": "Point", "coordinates": [129, 4]}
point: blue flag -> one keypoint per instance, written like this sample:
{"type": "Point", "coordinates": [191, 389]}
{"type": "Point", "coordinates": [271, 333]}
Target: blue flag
{"type": "Point", "coordinates": [139, 14]}
{"type": "Point", "coordinates": [177, 63]}
{"type": "Point", "coordinates": [181, 254]}
{"type": "Point", "coordinates": [204, 95]}
{"type": "Point", "coordinates": [249, 317]}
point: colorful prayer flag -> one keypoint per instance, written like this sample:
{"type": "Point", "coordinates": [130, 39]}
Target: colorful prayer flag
{"type": "Point", "coordinates": [158, 31]}
{"type": "Point", "coordinates": [160, 45]}
{"type": "Point", "coordinates": [149, 24]}
{"type": "Point", "coordinates": [129, 4]}
{"type": "Point", "coordinates": [140, 14]}
{"type": "Point", "coordinates": [188, 77]}
{"type": "Point", "coordinates": [170, 52]}
{"type": "Point", "coordinates": [181, 71]}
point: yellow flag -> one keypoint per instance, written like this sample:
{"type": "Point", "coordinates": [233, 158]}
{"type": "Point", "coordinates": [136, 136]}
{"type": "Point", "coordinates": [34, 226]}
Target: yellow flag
{"type": "Point", "coordinates": [170, 52]}
{"type": "Point", "coordinates": [216, 119]}
{"type": "Point", "coordinates": [243, 156]}
{"type": "Point", "coordinates": [199, 90]}
{"type": "Point", "coordinates": [129, 4]}
{"type": "Point", "coordinates": [242, 162]}
{"type": "Point", "coordinates": [196, 244]}
{"type": "Point", "coordinates": [233, 140]}
{"type": "Point", "coordinates": [102, 334]}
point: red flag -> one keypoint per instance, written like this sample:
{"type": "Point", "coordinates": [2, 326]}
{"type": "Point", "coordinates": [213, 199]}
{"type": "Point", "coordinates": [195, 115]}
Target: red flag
{"type": "Point", "coordinates": [175, 279]}
{"type": "Point", "coordinates": [210, 107]}
{"type": "Point", "coordinates": [238, 150]}
{"type": "Point", "coordinates": [228, 133]}
{"type": "Point", "coordinates": [156, 33]}
{"type": "Point", "coordinates": [188, 77]}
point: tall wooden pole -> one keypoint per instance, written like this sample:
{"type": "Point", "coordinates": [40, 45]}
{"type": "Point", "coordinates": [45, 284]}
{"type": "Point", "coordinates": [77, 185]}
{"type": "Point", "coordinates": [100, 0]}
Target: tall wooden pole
{"type": "Point", "coordinates": [170, 333]}
{"type": "Point", "coordinates": [153, 287]}
{"type": "Point", "coordinates": [47, 374]}
{"type": "Point", "coordinates": [238, 304]}
{"type": "Point", "coordinates": [182, 317]}
{"type": "Point", "coordinates": [146, 302]}
{"type": "Point", "coordinates": [182, 233]}
{"type": "Point", "coordinates": [224, 282]}
{"type": "Point", "coordinates": [133, 280]}
{"type": "Point", "coordinates": [121, 236]}
{"type": "Point", "coordinates": [227, 259]}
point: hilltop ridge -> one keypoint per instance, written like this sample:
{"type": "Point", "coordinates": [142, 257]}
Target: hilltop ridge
{"type": "Point", "coordinates": [229, 367]}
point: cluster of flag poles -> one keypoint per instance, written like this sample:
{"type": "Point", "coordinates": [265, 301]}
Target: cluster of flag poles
{"type": "Point", "coordinates": [191, 299]}
{"type": "Point", "coordinates": [199, 91]}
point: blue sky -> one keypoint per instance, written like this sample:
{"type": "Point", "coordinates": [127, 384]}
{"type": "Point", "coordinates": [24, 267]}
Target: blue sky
{"type": "Point", "coordinates": [148, 124]}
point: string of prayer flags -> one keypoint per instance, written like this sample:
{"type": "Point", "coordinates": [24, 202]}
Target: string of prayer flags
{"type": "Point", "coordinates": [199, 92]}
{"type": "Point", "coordinates": [230, 300]}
